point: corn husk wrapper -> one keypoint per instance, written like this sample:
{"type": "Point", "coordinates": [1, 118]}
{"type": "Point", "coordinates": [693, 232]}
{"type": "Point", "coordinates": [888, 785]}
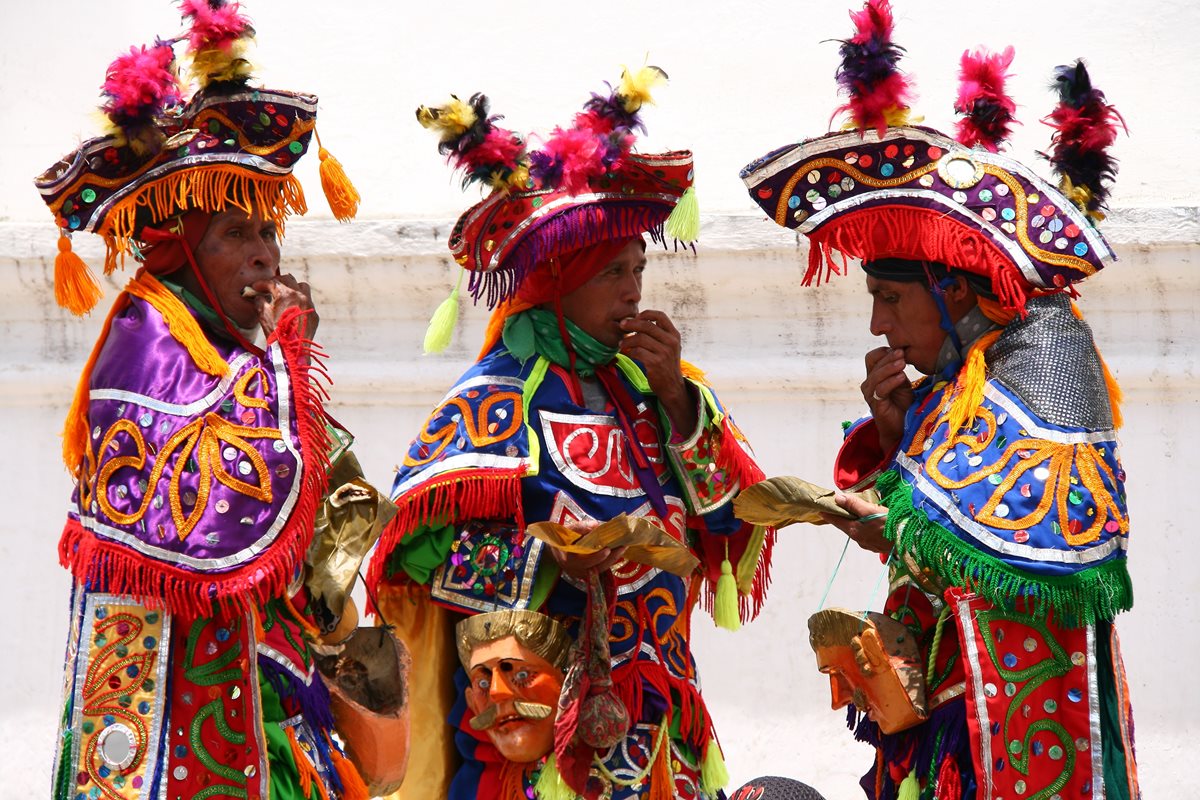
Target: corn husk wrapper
{"type": "Point", "coordinates": [785, 500]}
{"type": "Point", "coordinates": [645, 542]}
{"type": "Point", "coordinates": [346, 527]}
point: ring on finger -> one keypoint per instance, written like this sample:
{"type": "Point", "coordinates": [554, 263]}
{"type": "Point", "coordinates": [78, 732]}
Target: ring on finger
{"type": "Point", "coordinates": [875, 395]}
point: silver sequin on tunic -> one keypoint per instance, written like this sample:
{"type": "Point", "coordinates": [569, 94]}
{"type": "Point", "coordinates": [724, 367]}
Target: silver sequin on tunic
{"type": "Point", "coordinates": [1049, 361]}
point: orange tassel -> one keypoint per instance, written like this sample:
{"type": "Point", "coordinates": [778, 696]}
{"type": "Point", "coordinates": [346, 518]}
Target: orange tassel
{"type": "Point", "coordinates": [1115, 395]}
{"type": "Point", "coordinates": [303, 768]}
{"type": "Point", "coordinates": [662, 779]}
{"type": "Point", "coordinates": [75, 287]}
{"type": "Point", "coordinates": [339, 191]}
{"type": "Point", "coordinates": [512, 781]}
{"type": "Point", "coordinates": [75, 427]}
{"type": "Point", "coordinates": [353, 787]}
{"type": "Point", "coordinates": [692, 372]}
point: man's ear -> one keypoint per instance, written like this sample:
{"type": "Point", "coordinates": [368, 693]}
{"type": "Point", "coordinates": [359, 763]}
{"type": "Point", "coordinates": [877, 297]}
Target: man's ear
{"type": "Point", "coordinates": [959, 293]}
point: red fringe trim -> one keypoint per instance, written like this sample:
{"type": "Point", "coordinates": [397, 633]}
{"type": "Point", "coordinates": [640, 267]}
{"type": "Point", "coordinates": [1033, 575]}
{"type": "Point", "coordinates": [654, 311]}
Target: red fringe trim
{"type": "Point", "coordinates": [920, 235]}
{"type": "Point", "coordinates": [630, 680]}
{"type": "Point", "coordinates": [102, 563]}
{"type": "Point", "coordinates": [739, 465]}
{"type": "Point", "coordinates": [459, 495]}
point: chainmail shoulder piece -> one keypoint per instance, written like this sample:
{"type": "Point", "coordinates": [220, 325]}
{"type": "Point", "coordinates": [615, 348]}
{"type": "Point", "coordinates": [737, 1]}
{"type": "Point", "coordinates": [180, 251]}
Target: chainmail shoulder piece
{"type": "Point", "coordinates": [1049, 361]}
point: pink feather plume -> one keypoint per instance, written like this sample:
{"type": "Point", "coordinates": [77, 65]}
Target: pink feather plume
{"type": "Point", "coordinates": [140, 84]}
{"type": "Point", "coordinates": [987, 110]}
{"type": "Point", "coordinates": [214, 24]}
{"type": "Point", "coordinates": [499, 148]}
{"type": "Point", "coordinates": [578, 155]}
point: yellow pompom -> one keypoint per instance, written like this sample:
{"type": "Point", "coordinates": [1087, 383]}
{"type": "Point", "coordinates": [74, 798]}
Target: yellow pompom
{"type": "Point", "coordinates": [636, 86]}
{"type": "Point", "coordinates": [442, 323]}
{"type": "Point", "coordinates": [910, 789]}
{"type": "Point", "coordinates": [725, 607]}
{"type": "Point", "coordinates": [684, 222]}
{"type": "Point", "coordinates": [714, 776]}
{"type": "Point", "coordinates": [449, 121]}
{"type": "Point", "coordinates": [519, 178]}
{"type": "Point", "coordinates": [550, 784]}
{"type": "Point", "coordinates": [75, 287]}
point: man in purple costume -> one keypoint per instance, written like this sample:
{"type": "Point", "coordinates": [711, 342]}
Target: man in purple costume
{"type": "Point", "coordinates": [201, 459]}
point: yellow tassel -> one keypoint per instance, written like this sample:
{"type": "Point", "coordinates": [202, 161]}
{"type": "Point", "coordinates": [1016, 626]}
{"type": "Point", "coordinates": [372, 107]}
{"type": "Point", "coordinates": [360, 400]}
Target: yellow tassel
{"type": "Point", "coordinates": [725, 607]}
{"type": "Point", "coordinates": [748, 563]}
{"type": "Point", "coordinates": [684, 222]}
{"type": "Point", "coordinates": [441, 324]}
{"type": "Point", "coordinates": [75, 287]}
{"type": "Point", "coordinates": [550, 784]}
{"type": "Point", "coordinates": [969, 391]}
{"type": "Point", "coordinates": [910, 789]}
{"type": "Point", "coordinates": [636, 86]}
{"type": "Point", "coordinates": [339, 191]}
{"type": "Point", "coordinates": [713, 774]}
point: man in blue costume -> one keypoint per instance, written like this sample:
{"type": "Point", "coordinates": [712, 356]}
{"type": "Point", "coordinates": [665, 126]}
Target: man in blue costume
{"type": "Point", "coordinates": [579, 409]}
{"type": "Point", "coordinates": [1003, 518]}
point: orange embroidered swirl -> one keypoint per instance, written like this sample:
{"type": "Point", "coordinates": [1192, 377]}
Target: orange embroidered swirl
{"type": "Point", "coordinates": [1020, 457]}
{"type": "Point", "coordinates": [241, 389]}
{"type": "Point", "coordinates": [202, 437]}
{"type": "Point", "coordinates": [478, 429]}
{"type": "Point", "coordinates": [108, 680]}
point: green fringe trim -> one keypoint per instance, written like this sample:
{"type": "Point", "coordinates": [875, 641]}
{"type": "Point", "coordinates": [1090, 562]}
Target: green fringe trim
{"type": "Point", "coordinates": [1096, 593]}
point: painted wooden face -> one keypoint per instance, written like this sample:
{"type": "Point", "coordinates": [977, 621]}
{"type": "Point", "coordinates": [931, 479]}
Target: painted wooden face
{"type": "Point", "coordinates": [513, 693]}
{"type": "Point", "coordinates": [874, 664]}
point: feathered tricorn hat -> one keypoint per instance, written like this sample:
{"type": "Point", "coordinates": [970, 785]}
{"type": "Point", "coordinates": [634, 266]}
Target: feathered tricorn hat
{"type": "Point", "coordinates": [582, 186]}
{"type": "Point", "coordinates": [885, 188]}
{"type": "Point", "coordinates": [230, 145]}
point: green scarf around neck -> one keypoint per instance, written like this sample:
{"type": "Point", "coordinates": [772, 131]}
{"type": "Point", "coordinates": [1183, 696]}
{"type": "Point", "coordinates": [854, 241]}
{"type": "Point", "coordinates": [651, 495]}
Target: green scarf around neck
{"type": "Point", "coordinates": [535, 332]}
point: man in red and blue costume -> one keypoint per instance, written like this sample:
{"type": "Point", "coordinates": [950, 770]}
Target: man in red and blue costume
{"type": "Point", "coordinates": [579, 409]}
{"type": "Point", "coordinates": [1002, 515]}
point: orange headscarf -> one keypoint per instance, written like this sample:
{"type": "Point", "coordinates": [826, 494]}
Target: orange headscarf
{"type": "Point", "coordinates": [556, 277]}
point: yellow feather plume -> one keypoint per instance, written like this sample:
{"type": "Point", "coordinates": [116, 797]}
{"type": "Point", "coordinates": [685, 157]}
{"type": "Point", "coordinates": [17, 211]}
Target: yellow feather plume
{"type": "Point", "coordinates": [519, 178]}
{"type": "Point", "coordinates": [216, 64]}
{"type": "Point", "coordinates": [449, 121]}
{"type": "Point", "coordinates": [1080, 196]}
{"type": "Point", "coordinates": [636, 86]}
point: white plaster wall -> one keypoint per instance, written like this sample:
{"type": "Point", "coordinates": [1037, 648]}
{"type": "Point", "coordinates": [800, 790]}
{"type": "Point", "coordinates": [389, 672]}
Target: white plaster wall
{"type": "Point", "coordinates": [746, 77]}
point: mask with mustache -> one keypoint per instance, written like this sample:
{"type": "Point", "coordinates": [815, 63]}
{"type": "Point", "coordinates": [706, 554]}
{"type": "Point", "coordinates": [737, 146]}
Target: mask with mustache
{"type": "Point", "coordinates": [533, 711]}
